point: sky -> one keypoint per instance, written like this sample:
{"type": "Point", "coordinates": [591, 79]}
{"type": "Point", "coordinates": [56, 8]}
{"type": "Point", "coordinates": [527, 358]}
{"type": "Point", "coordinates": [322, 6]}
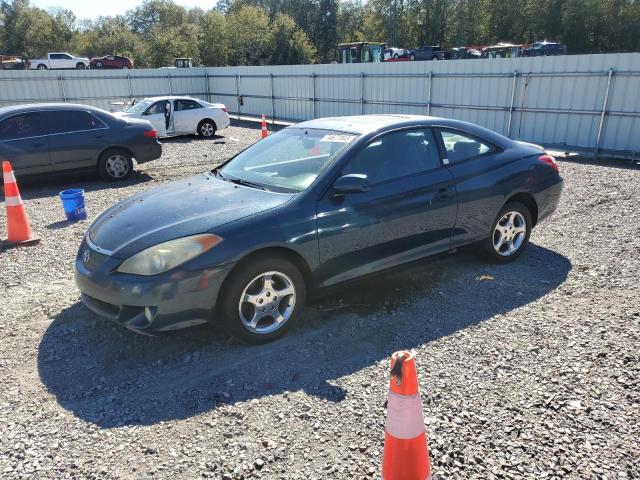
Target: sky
{"type": "Point", "coordinates": [88, 9]}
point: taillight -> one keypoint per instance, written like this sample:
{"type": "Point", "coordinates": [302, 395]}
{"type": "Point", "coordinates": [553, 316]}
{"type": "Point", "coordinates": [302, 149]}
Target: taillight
{"type": "Point", "coordinates": [224, 109]}
{"type": "Point", "coordinates": [151, 133]}
{"type": "Point", "coordinates": [549, 160]}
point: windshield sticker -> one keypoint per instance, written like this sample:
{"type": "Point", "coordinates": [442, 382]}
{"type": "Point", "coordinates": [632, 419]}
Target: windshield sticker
{"type": "Point", "coordinates": [338, 138]}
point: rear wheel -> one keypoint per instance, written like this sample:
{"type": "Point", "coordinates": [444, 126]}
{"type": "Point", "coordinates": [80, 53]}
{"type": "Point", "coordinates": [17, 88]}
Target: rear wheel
{"type": "Point", "coordinates": [262, 299]}
{"type": "Point", "coordinates": [509, 234]}
{"type": "Point", "coordinates": [207, 128]}
{"type": "Point", "coordinates": [115, 164]}
{"type": "Point", "coordinates": [99, 65]}
{"type": "Point", "coordinates": [42, 67]}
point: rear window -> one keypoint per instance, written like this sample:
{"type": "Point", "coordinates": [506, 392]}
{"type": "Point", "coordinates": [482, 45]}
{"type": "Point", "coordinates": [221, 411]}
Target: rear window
{"type": "Point", "coordinates": [65, 121]}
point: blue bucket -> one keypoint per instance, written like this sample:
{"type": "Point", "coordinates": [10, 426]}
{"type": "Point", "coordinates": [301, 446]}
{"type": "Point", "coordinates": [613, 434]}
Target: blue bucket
{"type": "Point", "coordinates": [73, 204]}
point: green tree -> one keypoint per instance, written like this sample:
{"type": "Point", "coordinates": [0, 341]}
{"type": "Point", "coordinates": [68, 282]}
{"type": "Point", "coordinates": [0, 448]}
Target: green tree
{"type": "Point", "coordinates": [290, 44]}
{"type": "Point", "coordinates": [248, 36]}
{"type": "Point", "coordinates": [213, 47]}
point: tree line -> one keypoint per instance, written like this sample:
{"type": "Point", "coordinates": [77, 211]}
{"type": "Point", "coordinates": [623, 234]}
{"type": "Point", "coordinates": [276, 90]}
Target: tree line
{"type": "Point", "coordinates": [262, 32]}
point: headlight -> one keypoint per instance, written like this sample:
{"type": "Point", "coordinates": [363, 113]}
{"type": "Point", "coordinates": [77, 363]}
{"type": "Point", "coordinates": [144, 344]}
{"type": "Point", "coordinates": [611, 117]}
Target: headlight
{"type": "Point", "coordinates": [162, 257]}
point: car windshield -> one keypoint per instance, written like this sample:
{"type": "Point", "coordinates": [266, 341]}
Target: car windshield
{"type": "Point", "coordinates": [140, 107]}
{"type": "Point", "coordinates": [289, 160]}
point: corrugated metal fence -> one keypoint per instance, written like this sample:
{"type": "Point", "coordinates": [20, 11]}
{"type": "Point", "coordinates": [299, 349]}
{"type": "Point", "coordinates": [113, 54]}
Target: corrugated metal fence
{"type": "Point", "coordinates": [589, 102]}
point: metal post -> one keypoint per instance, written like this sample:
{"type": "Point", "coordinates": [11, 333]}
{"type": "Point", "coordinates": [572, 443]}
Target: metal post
{"type": "Point", "coordinates": [170, 87]}
{"type": "Point", "coordinates": [238, 94]}
{"type": "Point", "coordinates": [313, 91]}
{"type": "Point", "coordinates": [429, 93]}
{"type": "Point", "coordinates": [130, 90]}
{"type": "Point", "coordinates": [206, 79]}
{"type": "Point", "coordinates": [603, 114]}
{"type": "Point", "coordinates": [513, 97]}
{"type": "Point", "coordinates": [273, 102]}
{"type": "Point", "coordinates": [362, 93]}
{"type": "Point", "coordinates": [62, 90]}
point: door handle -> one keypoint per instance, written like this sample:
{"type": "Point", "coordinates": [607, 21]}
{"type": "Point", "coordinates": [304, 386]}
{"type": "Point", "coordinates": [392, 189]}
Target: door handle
{"type": "Point", "coordinates": [443, 193]}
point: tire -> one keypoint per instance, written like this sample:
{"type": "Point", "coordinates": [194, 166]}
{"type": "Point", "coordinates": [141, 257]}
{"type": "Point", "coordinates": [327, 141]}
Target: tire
{"type": "Point", "coordinates": [412, 57]}
{"type": "Point", "coordinates": [248, 281]}
{"type": "Point", "coordinates": [80, 66]}
{"type": "Point", "coordinates": [125, 67]}
{"type": "Point", "coordinates": [115, 165]}
{"type": "Point", "coordinates": [207, 128]}
{"type": "Point", "coordinates": [42, 66]}
{"type": "Point", "coordinates": [99, 65]}
{"type": "Point", "coordinates": [395, 55]}
{"type": "Point", "coordinates": [514, 221]}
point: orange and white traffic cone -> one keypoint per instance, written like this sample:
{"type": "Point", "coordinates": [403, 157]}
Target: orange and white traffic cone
{"type": "Point", "coordinates": [264, 132]}
{"type": "Point", "coordinates": [18, 229]}
{"type": "Point", "coordinates": [406, 455]}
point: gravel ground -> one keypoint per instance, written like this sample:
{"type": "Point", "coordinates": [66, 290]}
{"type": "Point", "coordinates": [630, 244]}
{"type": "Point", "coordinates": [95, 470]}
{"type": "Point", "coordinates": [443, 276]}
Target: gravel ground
{"type": "Point", "coordinates": [528, 370]}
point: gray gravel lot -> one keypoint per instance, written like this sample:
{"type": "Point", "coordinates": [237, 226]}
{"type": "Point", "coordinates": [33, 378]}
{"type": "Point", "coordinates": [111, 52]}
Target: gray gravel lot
{"type": "Point", "coordinates": [528, 370]}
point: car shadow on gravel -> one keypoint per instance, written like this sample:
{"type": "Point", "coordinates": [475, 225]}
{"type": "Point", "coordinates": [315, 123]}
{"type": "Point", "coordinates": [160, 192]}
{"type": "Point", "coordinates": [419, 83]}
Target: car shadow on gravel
{"type": "Point", "coordinates": [111, 377]}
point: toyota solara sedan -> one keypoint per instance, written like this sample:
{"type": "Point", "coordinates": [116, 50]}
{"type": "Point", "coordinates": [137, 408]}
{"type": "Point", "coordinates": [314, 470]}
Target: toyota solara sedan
{"type": "Point", "coordinates": [318, 203]}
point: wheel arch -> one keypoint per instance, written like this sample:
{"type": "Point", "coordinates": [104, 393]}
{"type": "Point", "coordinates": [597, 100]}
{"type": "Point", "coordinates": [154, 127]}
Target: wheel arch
{"type": "Point", "coordinates": [113, 147]}
{"type": "Point", "coordinates": [528, 201]}
{"type": "Point", "coordinates": [294, 257]}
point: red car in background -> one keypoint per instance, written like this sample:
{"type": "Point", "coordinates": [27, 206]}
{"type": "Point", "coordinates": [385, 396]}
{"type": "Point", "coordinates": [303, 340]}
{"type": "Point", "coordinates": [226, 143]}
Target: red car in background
{"type": "Point", "coordinates": [111, 61]}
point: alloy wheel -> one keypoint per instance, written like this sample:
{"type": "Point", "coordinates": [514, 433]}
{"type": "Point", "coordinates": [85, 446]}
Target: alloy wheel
{"type": "Point", "coordinates": [267, 302]}
{"type": "Point", "coordinates": [206, 129]}
{"type": "Point", "coordinates": [117, 166]}
{"type": "Point", "coordinates": [509, 233]}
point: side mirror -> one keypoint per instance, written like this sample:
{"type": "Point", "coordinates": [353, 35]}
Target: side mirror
{"type": "Point", "coordinates": [351, 183]}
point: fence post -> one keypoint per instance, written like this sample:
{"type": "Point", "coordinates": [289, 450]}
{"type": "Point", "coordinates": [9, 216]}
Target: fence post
{"type": "Point", "coordinates": [603, 114]}
{"type": "Point", "coordinates": [170, 87]}
{"type": "Point", "coordinates": [130, 90]}
{"type": "Point", "coordinates": [206, 79]}
{"type": "Point", "coordinates": [362, 93]}
{"type": "Point", "coordinates": [62, 90]}
{"type": "Point", "coordinates": [238, 95]}
{"type": "Point", "coordinates": [513, 98]}
{"type": "Point", "coordinates": [313, 91]}
{"type": "Point", "coordinates": [273, 101]}
{"type": "Point", "coordinates": [429, 93]}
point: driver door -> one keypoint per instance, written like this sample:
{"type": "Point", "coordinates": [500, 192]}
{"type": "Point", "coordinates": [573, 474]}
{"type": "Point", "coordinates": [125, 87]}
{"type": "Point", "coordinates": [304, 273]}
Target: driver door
{"type": "Point", "coordinates": [408, 213]}
{"type": "Point", "coordinates": [155, 114]}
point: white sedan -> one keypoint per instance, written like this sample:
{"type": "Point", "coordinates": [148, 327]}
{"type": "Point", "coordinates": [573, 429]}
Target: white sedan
{"type": "Point", "coordinates": [172, 116]}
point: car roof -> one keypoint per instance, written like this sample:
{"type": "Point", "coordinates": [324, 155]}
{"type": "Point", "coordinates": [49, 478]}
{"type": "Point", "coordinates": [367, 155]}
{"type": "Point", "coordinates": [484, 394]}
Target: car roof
{"type": "Point", "coordinates": [45, 106]}
{"type": "Point", "coordinates": [171, 97]}
{"type": "Point", "coordinates": [366, 124]}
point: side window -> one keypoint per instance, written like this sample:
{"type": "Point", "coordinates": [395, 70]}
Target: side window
{"type": "Point", "coordinates": [156, 108]}
{"type": "Point", "coordinates": [66, 56]}
{"type": "Point", "coordinates": [460, 147]}
{"type": "Point", "coordinates": [186, 105]}
{"type": "Point", "coordinates": [396, 155]}
{"type": "Point", "coordinates": [24, 125]}
{"type": "Point", "coordinates": [55, 56]}
{"type": "Point", "coordinates": [72, 121]}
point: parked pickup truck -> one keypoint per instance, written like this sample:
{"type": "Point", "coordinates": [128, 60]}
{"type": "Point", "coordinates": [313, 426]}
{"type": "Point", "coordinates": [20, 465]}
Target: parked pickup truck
{"type": "Point", "coordinates": [60, 61]}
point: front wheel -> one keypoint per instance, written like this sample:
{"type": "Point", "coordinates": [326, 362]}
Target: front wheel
{"type": "Point", "coordinates": [509, 234]}
{"type": "Point", "coordinates": [262, 299]}
{"type": "Point", "coordinates": [80, 66]}
{"type": "Point", "coordinates": [115, 165]}
{"type": "Point", "coordinates": [206, 128]}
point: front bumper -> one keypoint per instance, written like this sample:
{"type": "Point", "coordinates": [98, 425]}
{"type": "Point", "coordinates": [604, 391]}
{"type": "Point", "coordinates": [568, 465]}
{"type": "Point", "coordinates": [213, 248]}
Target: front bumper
{"type": "Point", "coordinates": [176, 299]}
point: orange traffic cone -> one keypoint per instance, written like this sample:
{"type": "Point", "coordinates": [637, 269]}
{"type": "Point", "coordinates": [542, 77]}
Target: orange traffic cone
{"type": "Point", "coordinates": [18, 230]}
{"type": "Point", "coordinates": [264, 132]}
{"type": "Point", "coordinates": [406, 456]}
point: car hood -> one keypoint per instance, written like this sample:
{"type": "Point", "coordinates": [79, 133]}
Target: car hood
{"type": "Point", "coordinates": [185, 207]}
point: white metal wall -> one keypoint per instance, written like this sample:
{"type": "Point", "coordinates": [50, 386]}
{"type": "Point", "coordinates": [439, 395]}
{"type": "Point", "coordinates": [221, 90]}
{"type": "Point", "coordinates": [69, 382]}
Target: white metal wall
{"type": "Point", "coordinates": [548, 100]}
